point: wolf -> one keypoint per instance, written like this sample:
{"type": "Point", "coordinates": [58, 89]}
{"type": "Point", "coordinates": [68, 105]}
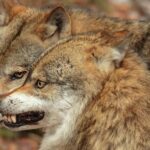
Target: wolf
{"type": "Point", "coordinates": [41, 29]}
{"type": "Point", "coordinates": [87, 95]}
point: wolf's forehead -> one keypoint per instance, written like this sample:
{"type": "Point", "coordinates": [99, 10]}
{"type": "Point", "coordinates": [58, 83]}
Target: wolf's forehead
{"type": "Point", "coordinates": [23, 50]}
{"type": "Point", "coordinates": [61, 60]}
{"type": "Point", "coordinates": [69, 51]}
{"type": "Point", "coordinates": [65, 50]}
{"type": "Point", "coordinates": [62, 53]}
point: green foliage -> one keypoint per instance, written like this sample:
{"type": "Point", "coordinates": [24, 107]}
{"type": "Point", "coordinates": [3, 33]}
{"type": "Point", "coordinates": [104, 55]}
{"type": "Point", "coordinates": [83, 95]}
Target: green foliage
{"type": "Point", "coordinates": [4, 133]}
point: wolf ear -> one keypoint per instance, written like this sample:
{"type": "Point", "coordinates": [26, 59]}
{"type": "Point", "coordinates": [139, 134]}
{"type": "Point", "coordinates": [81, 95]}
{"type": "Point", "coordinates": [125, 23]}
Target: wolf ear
{"type": "Point", "coordinates": [57, 23]}
{"type": "Point", "coordinates": [114, 50]}
{"type": "Point", "coordinates": [61, 19]}
{"type": "Point", "coordinates": [120, 50]}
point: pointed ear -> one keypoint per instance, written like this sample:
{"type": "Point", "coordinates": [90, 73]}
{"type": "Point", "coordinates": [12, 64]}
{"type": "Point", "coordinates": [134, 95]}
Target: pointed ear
{"type": "Point", "coordinates": [109, 54]}
{"type": "Point", "coordinates": [61, 19]}
{"type": "Point", "coordinates": [56, 23]}
{"type": "Point", "coordinates": [119, 51]}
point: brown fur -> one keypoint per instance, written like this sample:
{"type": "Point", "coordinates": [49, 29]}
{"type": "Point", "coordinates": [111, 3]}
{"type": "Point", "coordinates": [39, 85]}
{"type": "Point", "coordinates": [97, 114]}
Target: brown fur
{"type": "Point", "coordinates": [117, 118]}
{"type": "Point", "coordinates": [83, 21]}
{"type": "Point", "coordinates": [114, 92]}
{"type": "Point", "coordinates": [114, 101]}
{"type": "Point", "coordinates": [44, 28]}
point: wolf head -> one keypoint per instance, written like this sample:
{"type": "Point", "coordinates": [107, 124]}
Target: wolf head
{"type": "Point", "coordinates": [63, 80]}
{"type": "Point", "coordinates": [26, 35]}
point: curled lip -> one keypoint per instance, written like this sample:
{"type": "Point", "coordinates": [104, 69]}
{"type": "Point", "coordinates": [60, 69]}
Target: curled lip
{"type": "Point", "coordinates": [26, 118]}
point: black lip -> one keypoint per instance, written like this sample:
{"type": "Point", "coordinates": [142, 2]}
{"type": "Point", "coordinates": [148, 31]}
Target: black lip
{"type": "Point", "coordinates": [13, 125]}
{"type": "Point", "coordinates": [28, 118]}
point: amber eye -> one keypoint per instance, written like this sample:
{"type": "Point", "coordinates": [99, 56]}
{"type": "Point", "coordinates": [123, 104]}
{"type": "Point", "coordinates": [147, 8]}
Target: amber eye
{"type": "Point", "coordinates": [18, 75]}
{"type": "Point", "coordinates": [40, 84]}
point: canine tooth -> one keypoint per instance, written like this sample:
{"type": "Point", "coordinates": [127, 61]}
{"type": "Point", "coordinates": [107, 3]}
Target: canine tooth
{"type": "Point", "coordinates": [1, 117]}
{"type": "Point", "coordinates": [9, 119]}
{"type": "Point", "coordinates": [13, 118]}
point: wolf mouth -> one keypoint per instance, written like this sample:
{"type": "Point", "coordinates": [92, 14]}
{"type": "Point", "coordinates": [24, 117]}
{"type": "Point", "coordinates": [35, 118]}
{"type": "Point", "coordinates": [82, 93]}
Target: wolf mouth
{"type": "Point", "coordinates": [27, 118]}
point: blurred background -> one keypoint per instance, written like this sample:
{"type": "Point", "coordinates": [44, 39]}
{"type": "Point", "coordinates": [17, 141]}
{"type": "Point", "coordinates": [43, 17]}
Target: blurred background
{"type": "Point", "coordinates": [124, 9]}
{"type": "Point", "coordinates": [132, 9]}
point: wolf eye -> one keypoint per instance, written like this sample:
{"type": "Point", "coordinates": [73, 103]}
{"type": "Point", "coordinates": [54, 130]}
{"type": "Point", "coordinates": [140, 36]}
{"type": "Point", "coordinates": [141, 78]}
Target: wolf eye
{"type": "Point", "coordinates": [40, 84]}
{"type": "Point", "coordinates": [18, 75]}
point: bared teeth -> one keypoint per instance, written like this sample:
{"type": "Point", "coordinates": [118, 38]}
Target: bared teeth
{"type": "Point", "coordinates": [9, 118]}
{"type": "Point", "coordinates": [13, 118]}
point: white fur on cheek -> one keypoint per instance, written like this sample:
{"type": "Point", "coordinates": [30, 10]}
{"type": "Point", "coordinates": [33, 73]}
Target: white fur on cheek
{"type": "Point", "coordinates": [56, 108]}
{"type": "Point", "coordinates": [19, 103]}
{"type": "Point", "coordinates": [61, 112]}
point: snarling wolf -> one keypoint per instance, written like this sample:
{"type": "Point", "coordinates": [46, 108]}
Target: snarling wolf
{"type": "Point", "coordinates": [87, 95]}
